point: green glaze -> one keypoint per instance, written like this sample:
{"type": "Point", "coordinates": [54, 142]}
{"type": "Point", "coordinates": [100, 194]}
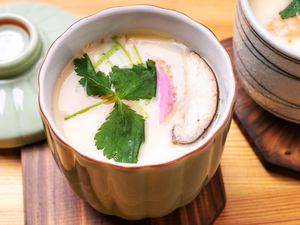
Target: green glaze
{"type": "Point", "coordinates": [20, 122]}
{"type": "Point", "coordinates": [26, 56]}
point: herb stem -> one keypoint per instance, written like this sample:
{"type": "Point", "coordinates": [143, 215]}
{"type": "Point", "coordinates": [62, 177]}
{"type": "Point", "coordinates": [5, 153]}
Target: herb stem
{"type": "Point", "coordinates": [138, 54]}
{"type": "Point", "coordinates": [86, 109]}
{"type": "Point", "coordinates": [144, 113]}
{"type": "Point", "coordinates": [123, 49]}
{"type": "Point", "coordinates": [110, 63]}
{"type": "Point", "coordinates": [111, 51]}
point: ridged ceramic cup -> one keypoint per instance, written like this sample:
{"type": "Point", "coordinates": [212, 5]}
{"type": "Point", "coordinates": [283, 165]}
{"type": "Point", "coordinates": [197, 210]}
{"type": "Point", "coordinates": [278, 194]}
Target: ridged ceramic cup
{"type": "Point", "coordinates": [268, 70]}
{"type": "Point", "coordinates": [128, 190]}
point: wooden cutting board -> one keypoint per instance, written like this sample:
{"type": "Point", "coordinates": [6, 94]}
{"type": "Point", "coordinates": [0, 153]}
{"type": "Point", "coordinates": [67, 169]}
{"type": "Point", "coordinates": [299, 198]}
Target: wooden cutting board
{"type": "Point", "coordinates": [48, 199]}
{"type": "Point", "coordinates": [275, 141]}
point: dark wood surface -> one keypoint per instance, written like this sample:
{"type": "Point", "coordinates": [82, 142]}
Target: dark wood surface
{"type": "Point", "coordinates": [48, 199]}
{"type": "Point", "coordinates": [275, 141]}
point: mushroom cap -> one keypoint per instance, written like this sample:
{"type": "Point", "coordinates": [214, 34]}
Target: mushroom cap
{"type": "Point", "coordinates": [200, 103]}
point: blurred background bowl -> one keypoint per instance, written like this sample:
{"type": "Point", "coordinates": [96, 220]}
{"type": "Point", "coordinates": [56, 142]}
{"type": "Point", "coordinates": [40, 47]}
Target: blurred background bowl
{"type": "Point", "coordinates": [268, 70]}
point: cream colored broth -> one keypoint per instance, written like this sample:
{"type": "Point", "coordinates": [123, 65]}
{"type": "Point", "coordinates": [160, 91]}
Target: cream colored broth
{"type": "Point", "coordinates": [71, 97]}
{"type": "Point", "coordinates": [267, 12]}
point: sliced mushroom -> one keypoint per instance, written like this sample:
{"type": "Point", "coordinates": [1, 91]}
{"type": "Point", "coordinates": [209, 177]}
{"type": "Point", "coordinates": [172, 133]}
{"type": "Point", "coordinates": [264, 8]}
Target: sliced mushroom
{"type": "Point", "coordinates": [200, 103]}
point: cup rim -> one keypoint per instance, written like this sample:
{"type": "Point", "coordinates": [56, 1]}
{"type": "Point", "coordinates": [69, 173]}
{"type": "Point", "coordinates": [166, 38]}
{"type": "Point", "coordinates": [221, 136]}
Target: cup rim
{"type": "Point", "coordinates": [133, 8]}
{"type": "Point", "coordinates": [266, 35]}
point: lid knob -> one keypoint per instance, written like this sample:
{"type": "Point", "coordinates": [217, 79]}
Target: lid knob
{"type": "Point", "coordinates": [20, 45]}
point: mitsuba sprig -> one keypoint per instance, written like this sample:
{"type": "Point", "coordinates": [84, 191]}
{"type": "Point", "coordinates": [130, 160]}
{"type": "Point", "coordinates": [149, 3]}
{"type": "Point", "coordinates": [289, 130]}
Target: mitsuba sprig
{"type": "Point", "coordinates": [293, 9]}
{"type": "Point", "coordinates": [123, 132]}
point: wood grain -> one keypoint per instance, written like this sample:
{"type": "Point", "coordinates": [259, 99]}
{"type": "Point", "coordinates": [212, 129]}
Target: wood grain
{"type": "Point", "coordinates": [206, 12]}
{"type": "Point", "coordinates": [49, 200]}
{"type": "Point", "coordinates": [275, 141]}
{"type": "Point", "coordinates": [11, 195]}
{"type": "Point", "coordinates": [254, 195]}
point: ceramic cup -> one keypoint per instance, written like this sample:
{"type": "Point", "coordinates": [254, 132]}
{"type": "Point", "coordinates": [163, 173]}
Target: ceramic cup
{"type": "Point", "coordinates": [128, 190]}
{"type": "Point", "coordinates": [268, 70]}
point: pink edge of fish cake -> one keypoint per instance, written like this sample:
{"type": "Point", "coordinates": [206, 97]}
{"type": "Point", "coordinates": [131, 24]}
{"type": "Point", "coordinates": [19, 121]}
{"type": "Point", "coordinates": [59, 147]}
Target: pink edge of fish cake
{"type": "Point", "coordinates": [166, 94]}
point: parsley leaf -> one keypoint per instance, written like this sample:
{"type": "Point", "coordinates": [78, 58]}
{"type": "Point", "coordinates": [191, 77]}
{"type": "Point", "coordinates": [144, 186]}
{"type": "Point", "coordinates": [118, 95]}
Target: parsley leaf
{"type": "Point", "coordinates": [122, 134]}
{"type": "Point", "coordinates": [138, 82]}
{"type": "Point", "coordinates": [96, 84]}
{"type": "Point", "coordinates": [293, 9]}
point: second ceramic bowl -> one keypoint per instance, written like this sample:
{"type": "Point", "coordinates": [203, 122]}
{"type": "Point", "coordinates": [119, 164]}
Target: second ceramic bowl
{"type": "Point", "coordinates": [126, 190]}
{"type": "Point", "coordinates": [269, 71]}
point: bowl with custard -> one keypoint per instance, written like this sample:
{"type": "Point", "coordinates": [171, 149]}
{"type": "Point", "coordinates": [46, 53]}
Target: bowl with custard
{"type": "Point", "coordinates": [266, 48]}
{"type": "Point", "coordinates": [136, 103]}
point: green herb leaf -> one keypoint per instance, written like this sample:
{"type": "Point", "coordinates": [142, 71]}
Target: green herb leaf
{"type": "Point", "coordinates": [122, 134]}
{"type": "Point", "coordinates": [293, 9]}
{"type": "Point", "coordinates": [138, 82]}
{"type": "Point", "coordinates": [96, 84]}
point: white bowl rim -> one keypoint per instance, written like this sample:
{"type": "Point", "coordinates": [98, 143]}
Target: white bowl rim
{"type": "Point", "coordinates": [266, 35]}
{"type": "Point", "coordinates": [226, 115]}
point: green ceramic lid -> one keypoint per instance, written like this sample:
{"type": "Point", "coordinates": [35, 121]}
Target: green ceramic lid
{"type": "Point", "coordinates": [26, 32]}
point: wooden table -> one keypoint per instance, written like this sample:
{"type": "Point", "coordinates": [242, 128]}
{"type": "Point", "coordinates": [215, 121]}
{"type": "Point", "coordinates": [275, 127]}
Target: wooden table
{"type": "Point", "coordinates": [254, 195]}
